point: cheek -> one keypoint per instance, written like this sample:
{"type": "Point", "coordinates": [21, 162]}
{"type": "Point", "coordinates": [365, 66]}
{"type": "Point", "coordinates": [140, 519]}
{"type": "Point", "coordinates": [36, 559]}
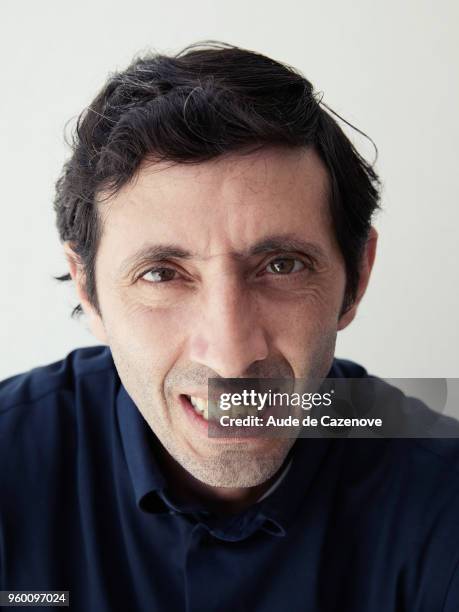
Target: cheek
{"type": "Point", "coordinates": [156, 333]}
{"type": "Point", "coordinates": [316, 306]}
{"type": "Point", "coordinates": [304, 329]}
{"type": "Point", "coordinates": [299, 326]}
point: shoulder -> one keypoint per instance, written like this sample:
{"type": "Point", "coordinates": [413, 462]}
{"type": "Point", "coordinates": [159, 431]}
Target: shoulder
{"type": "Point", "coordinates": [416, 455]}
{"type": "Point", "coordinates": [45, 414]}
{"type": "Point", "coordinates": [345, 368]}
{"type": "Point", "coordinates": [42, 410]}
{"type": "Point", "coordinates": [40, 383]}
{"type": "Point", "coordinates": [440, 445]}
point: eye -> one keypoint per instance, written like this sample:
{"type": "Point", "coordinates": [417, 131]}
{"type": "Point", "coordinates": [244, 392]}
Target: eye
{"type": "Point", "coordinates": [159, 275]}
{"type": "Point", "coordinates": [285, 265]}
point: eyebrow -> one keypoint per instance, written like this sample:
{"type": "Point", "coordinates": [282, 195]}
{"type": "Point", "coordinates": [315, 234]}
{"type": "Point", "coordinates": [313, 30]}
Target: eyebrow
{"type": "Point", "coordinates": [282, 243]}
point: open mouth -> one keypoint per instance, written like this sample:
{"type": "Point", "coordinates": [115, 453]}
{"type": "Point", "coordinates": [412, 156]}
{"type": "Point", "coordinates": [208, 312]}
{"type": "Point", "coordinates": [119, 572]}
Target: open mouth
{"type": "Point", "coordinates": [206, 418]}
{"type": "Point", "coordinates": [200, 407]}
{"type": "Point", "coordinates": [197, 406]}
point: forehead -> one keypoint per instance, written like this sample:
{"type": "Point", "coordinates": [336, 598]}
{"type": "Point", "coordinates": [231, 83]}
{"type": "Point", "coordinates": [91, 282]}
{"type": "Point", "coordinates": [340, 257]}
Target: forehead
{"type": "Point", "coordinates": [226, 203]}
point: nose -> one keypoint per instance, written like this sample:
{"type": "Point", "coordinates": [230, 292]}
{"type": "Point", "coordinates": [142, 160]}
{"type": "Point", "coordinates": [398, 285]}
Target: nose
{"type": "Point", "coordinates": [229, 336]}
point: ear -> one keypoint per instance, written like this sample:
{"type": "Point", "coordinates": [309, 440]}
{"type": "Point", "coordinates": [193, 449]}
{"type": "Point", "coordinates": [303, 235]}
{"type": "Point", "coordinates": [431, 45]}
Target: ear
{"type": "Point", "coordinates": [76, 270]}
{"type": "Point", "coordinates": [366, 266]}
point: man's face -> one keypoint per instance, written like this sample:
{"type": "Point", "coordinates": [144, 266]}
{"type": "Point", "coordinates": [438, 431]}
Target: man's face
{"type": "Point", "coordinates": [227, 268]}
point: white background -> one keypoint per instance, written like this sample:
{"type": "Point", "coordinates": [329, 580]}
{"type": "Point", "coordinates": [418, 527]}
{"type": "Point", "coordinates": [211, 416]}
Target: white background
{"type": "Point", "coordinates": [390, 67]}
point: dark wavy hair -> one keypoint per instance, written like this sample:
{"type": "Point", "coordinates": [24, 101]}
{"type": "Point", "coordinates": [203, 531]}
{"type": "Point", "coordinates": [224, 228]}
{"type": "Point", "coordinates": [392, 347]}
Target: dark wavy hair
{"type": "Point", "coordinates": [209, 99]}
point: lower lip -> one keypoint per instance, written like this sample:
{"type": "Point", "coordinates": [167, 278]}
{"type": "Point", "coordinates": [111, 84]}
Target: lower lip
{"type": "Point", "coordinates": [202, 425]}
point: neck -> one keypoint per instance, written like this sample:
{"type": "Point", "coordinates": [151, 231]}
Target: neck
{"type": "Point", "coordinates": [221, 500]}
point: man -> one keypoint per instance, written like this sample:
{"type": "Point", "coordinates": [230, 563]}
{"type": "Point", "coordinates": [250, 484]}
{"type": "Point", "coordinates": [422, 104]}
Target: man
{"type": "Point", "coordinates": [217, 224]}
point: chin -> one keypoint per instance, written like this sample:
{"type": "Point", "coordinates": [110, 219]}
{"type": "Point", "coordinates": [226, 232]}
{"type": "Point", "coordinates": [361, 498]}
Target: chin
{"type": "Point", "coordinates": [237, 468]}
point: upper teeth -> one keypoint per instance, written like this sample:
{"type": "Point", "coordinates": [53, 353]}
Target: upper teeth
{"type": "Point", "coordinates": [200, 405]}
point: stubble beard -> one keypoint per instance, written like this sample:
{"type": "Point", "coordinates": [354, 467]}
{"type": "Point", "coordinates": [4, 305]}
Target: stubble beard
{"type": "Point", "coordinates": [235, 464]}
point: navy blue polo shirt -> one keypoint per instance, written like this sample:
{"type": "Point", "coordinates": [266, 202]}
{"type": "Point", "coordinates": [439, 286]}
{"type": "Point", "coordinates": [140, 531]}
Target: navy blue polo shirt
{"type": "Point", "coordinates": [359, 525]}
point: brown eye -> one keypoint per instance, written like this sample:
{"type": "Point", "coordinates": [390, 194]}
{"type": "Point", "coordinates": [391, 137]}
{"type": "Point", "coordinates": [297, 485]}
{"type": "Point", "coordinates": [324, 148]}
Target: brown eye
{"type": "Point", "coordinates": [285, 265]}
{"type": "Point", "coordinates": [159, 275]}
